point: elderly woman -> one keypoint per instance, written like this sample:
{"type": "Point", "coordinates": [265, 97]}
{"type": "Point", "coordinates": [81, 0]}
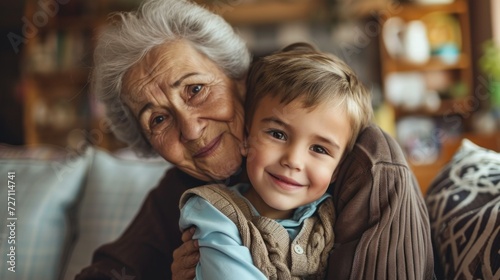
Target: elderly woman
{"type": "Point", "coordinates": [172, 76]}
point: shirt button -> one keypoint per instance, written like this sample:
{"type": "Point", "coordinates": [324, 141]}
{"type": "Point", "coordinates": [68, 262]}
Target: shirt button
{"type": "Point", "coordinates": [298, 249]}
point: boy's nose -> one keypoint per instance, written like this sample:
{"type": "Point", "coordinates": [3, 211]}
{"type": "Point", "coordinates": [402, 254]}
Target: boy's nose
{"type": "Point", "coordinates": [293, 159]}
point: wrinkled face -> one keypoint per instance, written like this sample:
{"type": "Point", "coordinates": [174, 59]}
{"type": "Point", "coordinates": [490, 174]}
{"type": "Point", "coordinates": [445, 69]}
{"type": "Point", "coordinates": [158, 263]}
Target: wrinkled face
{"type": "Point", "coordinates": [293, 154]}
{"type": "Point", "coordinates": [189, 110]}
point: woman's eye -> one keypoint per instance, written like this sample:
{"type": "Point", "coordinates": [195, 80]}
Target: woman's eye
{"type": "Point", "coordinates": [194, 89]}
{"type": "Point", "coordinates": [158, 120]}
{"type": "Point", "coordinates": [277, 134]}
{"type": "Point", "coordinates": [318, 149]}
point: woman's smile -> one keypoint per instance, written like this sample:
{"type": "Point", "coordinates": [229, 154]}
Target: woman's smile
{"type": "Point", "coordinates": [209, 148]}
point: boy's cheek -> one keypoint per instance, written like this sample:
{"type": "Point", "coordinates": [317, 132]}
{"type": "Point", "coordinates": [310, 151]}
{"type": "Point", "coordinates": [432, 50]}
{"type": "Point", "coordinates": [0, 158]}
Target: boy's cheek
{"type": "Point", "coordinates": [250, 154]}
{"type": "Point", "coordinates": [252, 143]}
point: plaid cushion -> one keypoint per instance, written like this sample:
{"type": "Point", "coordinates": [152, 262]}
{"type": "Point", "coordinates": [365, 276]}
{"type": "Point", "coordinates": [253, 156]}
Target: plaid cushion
{"type": "Point", "coordinates": [112, 196]}
{"type": "Point", "coordinates": [45, 192]}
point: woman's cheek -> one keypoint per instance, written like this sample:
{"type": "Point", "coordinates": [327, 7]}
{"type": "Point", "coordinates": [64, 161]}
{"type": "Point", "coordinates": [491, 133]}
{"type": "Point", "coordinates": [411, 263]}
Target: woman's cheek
{"type": "Point", "coordinates": [167, 147]}
{"type": "Point", "coordinates": [238, 124]}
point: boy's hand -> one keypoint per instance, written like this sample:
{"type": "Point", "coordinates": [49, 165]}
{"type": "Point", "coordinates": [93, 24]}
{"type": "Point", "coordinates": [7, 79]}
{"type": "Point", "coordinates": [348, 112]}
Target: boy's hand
{"type": "Point", "coordinates": [186, 257]}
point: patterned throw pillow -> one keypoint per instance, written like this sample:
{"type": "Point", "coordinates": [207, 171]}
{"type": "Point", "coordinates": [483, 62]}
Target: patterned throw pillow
{"type": "Point", "coordinates": [464, 208]}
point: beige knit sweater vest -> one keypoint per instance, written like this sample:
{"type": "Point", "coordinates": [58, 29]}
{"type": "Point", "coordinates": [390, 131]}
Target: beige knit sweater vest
{"type": "Point", "coordinates": [269, 243]}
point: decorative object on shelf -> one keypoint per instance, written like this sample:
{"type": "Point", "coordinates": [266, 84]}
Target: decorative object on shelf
{"type": "Point", "coordinates": [417, 136]}
{"type": "Point", "coordinates": [448, 53]}
{"type": "Point", "coordinates": [484, 122]}
{"type": "Point", "coordinates": [405, 89]}
{"type": "Point", "coordinates": [490, 65]}
{"type": "Point", "coordinates": [406, 40]}
{"type": "Point", "coordinates": [415, 42]}
{"type": "Point", "coordinates": [390, 35]}
{"type": "Point", "coordinates": [432, 101]}
{"type": "Point", "coordinates": [444, 35]}
{"type": "Point", "coordinates": [384, 117]}
{"type": "Point", "coordinates": [409, 91]}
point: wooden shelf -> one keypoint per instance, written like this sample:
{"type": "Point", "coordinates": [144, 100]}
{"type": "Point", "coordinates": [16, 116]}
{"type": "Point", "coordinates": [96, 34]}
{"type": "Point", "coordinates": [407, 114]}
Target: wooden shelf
{"type": "Point", "coordinates": [434, 64]}
{"type": "Point", "coordinates": [55, 80]}
{"type": "Point", "coordinates": [264, 12]}
{"type": "Point", "coordinates": [459, 73]}
{"type": "Point", "coordinates": [412, 11]}
{"type": "Point", "coordinates": [71, 77]}
{"type": "Point", "coordinates": [448, 107]}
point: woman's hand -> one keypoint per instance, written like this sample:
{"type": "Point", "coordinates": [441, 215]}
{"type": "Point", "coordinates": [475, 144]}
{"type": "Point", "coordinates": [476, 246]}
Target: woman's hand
{"type": "Point", "coordinates": [186, 257]}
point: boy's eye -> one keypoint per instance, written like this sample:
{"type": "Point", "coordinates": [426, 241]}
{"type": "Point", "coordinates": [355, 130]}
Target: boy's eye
{"type": "Point", "coordinates": [277, 134]}
{"type": "Point", "coordinates": [318, 149]}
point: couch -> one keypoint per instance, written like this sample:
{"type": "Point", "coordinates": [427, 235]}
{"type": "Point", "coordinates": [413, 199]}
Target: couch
{"type": "Point", "coordinates": [67, 204]}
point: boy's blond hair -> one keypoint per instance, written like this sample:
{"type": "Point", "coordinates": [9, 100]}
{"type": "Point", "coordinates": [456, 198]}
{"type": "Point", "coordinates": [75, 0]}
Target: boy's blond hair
{"type": "Point", "coordinates": [299, 71]}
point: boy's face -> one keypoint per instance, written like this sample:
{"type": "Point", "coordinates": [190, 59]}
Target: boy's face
{"type": "Point", "coordinates": [293, 153]}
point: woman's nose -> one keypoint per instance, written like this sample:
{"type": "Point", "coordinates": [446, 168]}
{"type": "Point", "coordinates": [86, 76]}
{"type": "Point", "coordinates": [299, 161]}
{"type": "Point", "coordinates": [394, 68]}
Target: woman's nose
{"type": "Point", "coordinates": [293, 159]}
{"type": "Point", "coordinates": [191, 126]}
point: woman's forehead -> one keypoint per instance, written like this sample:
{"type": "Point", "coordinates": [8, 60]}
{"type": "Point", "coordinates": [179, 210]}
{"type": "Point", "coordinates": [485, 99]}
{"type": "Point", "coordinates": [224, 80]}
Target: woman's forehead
{"type": "Point", "coordinates": [167, 64]}
{"type": "Point", "coordinates": [163, 58]}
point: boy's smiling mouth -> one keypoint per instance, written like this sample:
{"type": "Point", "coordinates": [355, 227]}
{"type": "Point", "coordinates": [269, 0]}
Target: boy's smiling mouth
{"type": "Point", "coordinates": [285, 182]}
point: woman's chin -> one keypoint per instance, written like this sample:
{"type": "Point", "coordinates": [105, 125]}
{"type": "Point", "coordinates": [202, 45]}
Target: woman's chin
{"type": "Point", "coordinates": [224, 169]}
{"type": "Point", "coordinates": [216, 171]}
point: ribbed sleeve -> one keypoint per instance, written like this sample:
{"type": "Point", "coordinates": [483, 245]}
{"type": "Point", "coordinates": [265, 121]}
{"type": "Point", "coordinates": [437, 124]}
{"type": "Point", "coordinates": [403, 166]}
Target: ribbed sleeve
{"type": "Point", "coordinates": [382, 229]}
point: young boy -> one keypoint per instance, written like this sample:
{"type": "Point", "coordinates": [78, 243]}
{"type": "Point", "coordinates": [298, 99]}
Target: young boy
{"type": "Point", "coordinates": [304, 110]}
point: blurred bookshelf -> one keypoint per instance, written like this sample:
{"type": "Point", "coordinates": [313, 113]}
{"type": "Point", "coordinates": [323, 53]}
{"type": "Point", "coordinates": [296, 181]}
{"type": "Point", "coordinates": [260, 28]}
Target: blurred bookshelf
{"type": "Point", "coordinates": [59, 107]}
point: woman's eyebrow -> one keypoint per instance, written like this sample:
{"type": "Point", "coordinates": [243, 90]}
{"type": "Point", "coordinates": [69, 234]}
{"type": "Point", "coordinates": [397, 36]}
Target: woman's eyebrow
{"type": "Point", "coordinates": [146, 107]}
{"type": "Point", "coordinates": [179, 81]}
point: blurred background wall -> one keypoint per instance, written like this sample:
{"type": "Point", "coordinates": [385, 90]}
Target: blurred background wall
{"type": "Point", "coordinates": [433, 81]}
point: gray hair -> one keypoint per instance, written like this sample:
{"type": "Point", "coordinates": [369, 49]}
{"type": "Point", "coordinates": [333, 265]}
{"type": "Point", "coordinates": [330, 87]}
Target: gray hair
{"type": "Point", "coordinates": [133, 34]}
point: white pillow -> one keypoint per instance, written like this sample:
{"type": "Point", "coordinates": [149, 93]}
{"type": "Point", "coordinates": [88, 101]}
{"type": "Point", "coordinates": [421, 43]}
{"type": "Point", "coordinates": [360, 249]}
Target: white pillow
{"type": "Point", "coordinates": [113, 194]}
{"type": "Point", "coordinates": [45, 192]}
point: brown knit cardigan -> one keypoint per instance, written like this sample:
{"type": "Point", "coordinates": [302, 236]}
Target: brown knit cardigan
{"type": "Point", "coordinates": [382, 226]}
